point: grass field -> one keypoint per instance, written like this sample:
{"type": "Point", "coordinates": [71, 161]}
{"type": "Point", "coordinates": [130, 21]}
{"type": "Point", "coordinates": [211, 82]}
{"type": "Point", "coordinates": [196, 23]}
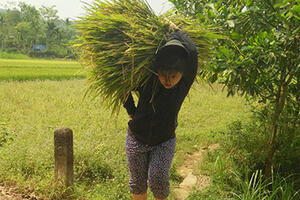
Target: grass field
{"type": "Point", "coordinates": [31, 110]}
{"type": "Point", "coordinates": [29, 69]}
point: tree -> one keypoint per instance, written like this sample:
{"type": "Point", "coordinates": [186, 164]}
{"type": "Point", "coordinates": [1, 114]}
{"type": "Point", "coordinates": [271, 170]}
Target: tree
{"type": "Point", "coordinates": [8, 20]}
{"type": "Point", "coordinates": [49, 13]}
{"type": "Point", "coordinates": [24, 26]}
{"type": "Point", "coordinates": [261, 56]}
{"type": "Point", "coordinates": [24, 37]}
{"type": "Point", "coordinates": [32, 18]}
{"type": "Point", "coordinates": [57, 32]}
{"type": "Point", "coordinates": [2, 36]}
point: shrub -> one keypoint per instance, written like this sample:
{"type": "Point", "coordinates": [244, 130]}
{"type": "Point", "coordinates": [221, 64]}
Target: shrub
{"type": "Point", "coordinates": [89, 168]}
{"type": "Point", "coordinates": [245, 144]}
{"type": "Point", "coordinates": [243, 154]}
{"type": "Point", "coordinates": [13, 55]}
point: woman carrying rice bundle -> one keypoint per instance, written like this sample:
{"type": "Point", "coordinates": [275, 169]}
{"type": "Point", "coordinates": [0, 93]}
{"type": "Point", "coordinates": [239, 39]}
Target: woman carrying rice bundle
{"type": "Point", "coordinates": [127, 48]}
{"type": "Point", "coordinates": [151, 139]}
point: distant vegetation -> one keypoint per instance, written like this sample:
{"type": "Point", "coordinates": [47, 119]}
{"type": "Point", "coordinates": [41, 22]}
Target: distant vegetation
{"type": "Point", "coordinates": [35, 32]}
{"type": "Point", "coordinates": [13, 55]}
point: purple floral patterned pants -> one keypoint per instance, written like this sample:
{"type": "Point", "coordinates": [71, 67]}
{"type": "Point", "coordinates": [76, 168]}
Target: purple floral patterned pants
{"type": "Point", "coordinates": [149, 165]}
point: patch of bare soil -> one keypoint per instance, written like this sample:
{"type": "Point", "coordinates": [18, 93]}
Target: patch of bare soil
{"type": "Point", "coordinates": [7, 193]}
{"type": "Point", "coordinates": [187, 169]}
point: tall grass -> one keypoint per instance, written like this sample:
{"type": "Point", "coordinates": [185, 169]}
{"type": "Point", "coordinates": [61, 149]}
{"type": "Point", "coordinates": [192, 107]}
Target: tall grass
{"type": "Point", "coordinates": [31, 111]}
{"type": "Point", "coordinates": [256, 188]}
{"type": "Point", "coordinates": [220, 167]}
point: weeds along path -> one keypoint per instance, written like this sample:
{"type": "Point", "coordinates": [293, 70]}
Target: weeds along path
{"type": "Point", "coordinates": [12, 194]}
{"type": "Point", "coordinates": [187, 169]}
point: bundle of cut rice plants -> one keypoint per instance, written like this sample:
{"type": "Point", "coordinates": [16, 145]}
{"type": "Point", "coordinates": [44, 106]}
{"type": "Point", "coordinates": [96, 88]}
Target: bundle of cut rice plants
{"type": "Point", "coordinates": [118, 40]}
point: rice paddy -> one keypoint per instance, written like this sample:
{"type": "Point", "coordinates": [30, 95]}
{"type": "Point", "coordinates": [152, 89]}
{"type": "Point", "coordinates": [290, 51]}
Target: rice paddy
{"type": "Point", "coordinates": [32, 69]}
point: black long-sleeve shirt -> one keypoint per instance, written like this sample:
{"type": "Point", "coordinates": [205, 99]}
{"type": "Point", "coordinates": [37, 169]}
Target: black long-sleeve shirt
{"type": "Point", "coordinates": [154, 120]}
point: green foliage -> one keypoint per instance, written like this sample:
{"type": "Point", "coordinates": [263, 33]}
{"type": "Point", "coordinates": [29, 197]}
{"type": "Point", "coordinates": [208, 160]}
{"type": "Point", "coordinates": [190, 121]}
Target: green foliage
{"type": "Point", "coordinates": [252, 188]}
{"type": "Point", "coordinates": [220, 167]}
{"type": "Point", "coordinates": [92, 167]}
{"type": "Point", "coordinates": [256, 188]}
{"type": "Point", "coordinates": [245, 145]}
{"type": "Point", "coordinates": [263, 42]}
{"type": "Point", "coordinates": [240, 152]}
{"type": "Point", "coordinates": [236, 165]}
{"type": "Point", "coordinates": [260, 57]}
{"type": "Point", "coordinates": [13, 55]}
{"type": "Point", "coordinates": [287, 155]}
{"type": "Point", "coordinates": [118, 41]}
{"type": "Point", "coordinates": [246, 142]}
{"type": "Point", "coordinates": [27, 29]}
{"type": "Point", "coordinates": [25, 26]}
{"type": "Point", "coordinates": [22, 70]}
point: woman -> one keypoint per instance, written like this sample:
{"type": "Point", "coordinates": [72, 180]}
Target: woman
{"type": "Point", "coordinates": [150, 141]}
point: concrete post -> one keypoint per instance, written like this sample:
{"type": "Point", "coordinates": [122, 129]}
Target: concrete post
{"type": "Point", "coordinates": [63, 154]}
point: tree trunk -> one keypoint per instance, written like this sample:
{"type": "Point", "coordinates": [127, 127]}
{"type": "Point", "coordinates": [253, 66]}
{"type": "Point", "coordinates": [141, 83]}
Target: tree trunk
{"type": "Point", "coordinates": [279, 105]}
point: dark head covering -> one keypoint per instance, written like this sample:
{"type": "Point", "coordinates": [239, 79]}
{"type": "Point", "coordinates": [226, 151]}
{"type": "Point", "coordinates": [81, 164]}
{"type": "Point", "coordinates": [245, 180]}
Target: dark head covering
{"type": "Point", "coordinates": [174, 43]}
{"type": "Point", "coordinates": [172, 56]}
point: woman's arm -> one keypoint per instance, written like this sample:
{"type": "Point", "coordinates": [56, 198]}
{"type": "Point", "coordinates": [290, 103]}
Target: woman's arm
{"type": "Point", "coordinates": [129, 105]}
{"type": "Point", "coordinates": [191, 70]}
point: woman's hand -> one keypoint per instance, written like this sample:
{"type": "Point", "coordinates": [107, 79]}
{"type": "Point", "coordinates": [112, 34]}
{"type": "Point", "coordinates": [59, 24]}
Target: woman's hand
{"type": "Point", "coordinates": [130, 117]}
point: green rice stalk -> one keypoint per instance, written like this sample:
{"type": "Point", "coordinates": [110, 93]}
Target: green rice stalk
{"type": "Point", "coordinates": [117, 41]}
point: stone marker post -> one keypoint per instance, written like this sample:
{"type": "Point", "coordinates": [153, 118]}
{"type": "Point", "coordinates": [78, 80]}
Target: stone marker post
{"type": "Point", "coordinates": [63, 155]}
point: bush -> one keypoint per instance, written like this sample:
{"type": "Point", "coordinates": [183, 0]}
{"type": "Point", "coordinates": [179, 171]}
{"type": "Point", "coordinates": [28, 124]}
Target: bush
{"type": "Point", "coordinates": [89, 168]}
{"type": "Point", "coordinates": [287, 156]}
{"type": "Point", "coordinates": [245, 145]}
{"type": "Point", "coordinates": [246, 142]}
{"type": "Point", "coordinates": [243, 152]}
{"type": "Point", "coordinates": [13, 55]}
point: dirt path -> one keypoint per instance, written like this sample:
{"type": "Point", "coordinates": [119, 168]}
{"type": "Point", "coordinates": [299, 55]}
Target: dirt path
{"type": "Point", "coordinates": [12, 194]}
{"type": "Point", "coordinates": [190, 180]}
{"type": "Point", "coordinates": [6, 194]}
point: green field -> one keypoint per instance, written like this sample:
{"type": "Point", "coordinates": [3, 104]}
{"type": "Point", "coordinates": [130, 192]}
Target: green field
{"type": "Point", "coordinates": [17, 69]}
{"type": "Point", "coordinates": [30, 111]}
